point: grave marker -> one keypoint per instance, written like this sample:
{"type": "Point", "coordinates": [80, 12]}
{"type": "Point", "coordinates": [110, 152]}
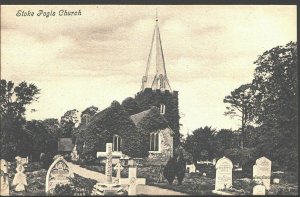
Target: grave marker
{"type": "Point", "coordinates": [223, 174]}
{"type": "Point", "coordinates": [262, 172]}
{"type": "Point", "coordinates": [119, 168]}
{"type": "Point", "coordinates": [20, 179]}
{"type": "Point", "coordinates": [259, 190]}
{"type": "Point", "coordinates": [107, 188]}
{"type": "Point", "coordinates": [191, 168]}
{"type": "Point", "coordinates": [4, 184]}
{"type": "Point", "coordinates": [58, 173]}
{"type": "Point", "coordinates": [132, 179]}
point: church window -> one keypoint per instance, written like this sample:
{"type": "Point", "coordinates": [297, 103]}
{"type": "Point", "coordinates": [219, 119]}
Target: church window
{"type": "Point", "coordinates": [154, 141]}
{"type": "Point", "coordinates": [161, 82]}
{"type": "Point", "coordinates": [162, 109]}
{"type": "Point", "coordinates": [117, 143]}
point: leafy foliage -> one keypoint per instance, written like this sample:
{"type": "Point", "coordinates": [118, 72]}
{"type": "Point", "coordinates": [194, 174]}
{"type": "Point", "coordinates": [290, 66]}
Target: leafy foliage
{"type": "Point", "coordinates": [275, 85]}
{"type": "Point", "coordinates": [175, 167]}
{"type": "Point", "coordinates": [63, 190]}
{"type": "Point", "coordinates": [131, 106]}
{"type": "Point", "coordinates": [241, 107]}
{"type": "Point", "coordinates": [149, 98]}
{"type": "Point", "coordinates": [101, 129]}
{"type": "Point", "coordinates": [68, 122]}
{"type": "Point", "coordinates": [200, 144]}
{"type": "Point", "coordinates": [13, 102]}
{"type": "Point", "coordinates": [169, 170]}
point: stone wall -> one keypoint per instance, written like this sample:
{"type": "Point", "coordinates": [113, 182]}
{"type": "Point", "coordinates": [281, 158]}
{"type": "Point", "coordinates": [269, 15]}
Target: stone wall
{"type": "Point", "coordinates": [165, 149]}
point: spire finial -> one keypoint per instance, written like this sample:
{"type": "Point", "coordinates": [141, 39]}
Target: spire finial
{"type": "Point", "coordinates": [156, 15]}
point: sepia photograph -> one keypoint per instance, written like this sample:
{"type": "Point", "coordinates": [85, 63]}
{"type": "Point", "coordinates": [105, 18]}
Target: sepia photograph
{"type": "Point", "coordinates": [109, 100]}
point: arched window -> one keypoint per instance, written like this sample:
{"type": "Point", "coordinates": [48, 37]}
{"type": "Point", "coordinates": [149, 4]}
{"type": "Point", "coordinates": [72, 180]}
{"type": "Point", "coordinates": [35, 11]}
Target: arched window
{"type": "Point", "coordinates": [162, 109]}
{"type": "Point", "coordinates": [154, 141]}
{"type": "Point", "coordinates": [117, 143]}
{"type": "Point", "coordinates": [161, 82]}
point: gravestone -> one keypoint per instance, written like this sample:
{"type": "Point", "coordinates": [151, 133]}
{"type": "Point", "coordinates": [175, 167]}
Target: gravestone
{"type": "Point", "coordinates": [58, 174]}
{"type": "Point", "coordinates": [259, 190]}
{"type": "Point", "coordinates": [107, 188]}
{"type": "Point", "coordinates": [223, 174]}
{"type": "Point", "coordinates": [214, 161]}
{"type": "Point", "coordinates": [262, 172]}
{"type": "Point", "coordinates": [20, 179]}
{"type": "Point", "coordinates": [132, 179]}
{"type": "Point", "coordinates": [118, 167]}
{"type": "Point", "coordinates": [4, 183]}
{"type": "Point", "coordinates": [74, 154]}
{"type": "Point", "coordinates": [191, 168]}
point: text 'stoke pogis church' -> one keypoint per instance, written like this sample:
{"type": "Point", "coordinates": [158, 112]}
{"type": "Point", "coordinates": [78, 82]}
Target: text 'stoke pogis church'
{"type": "Point", "coordinates": [146, 126]}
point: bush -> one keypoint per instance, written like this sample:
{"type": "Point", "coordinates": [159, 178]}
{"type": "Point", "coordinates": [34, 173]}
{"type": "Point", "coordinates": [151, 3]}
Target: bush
{"type": "Point", "coordinates": [169, 170]}
{"type": "Point", "coordinates": [63, 190]}
{"type": "Point", "coordinates": [246, 157]}
{"type": "Point", "coordinates": [180, 168]}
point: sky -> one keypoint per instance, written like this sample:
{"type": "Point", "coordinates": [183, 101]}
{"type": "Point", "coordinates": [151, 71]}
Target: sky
{"type": "Point", "coordinates": [101, 55]}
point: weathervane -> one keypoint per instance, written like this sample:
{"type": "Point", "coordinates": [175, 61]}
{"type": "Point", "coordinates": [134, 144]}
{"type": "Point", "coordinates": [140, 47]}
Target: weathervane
{"type": "Point", "coordinates": [156, 15]}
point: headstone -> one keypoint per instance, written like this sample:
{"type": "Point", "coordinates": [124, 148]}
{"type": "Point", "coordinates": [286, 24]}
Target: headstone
{"type": "Point", "coordinates": [132, 179]}
{"type": "Point", "coordinates": [74, 154]}
{"type": "Point", "coordinates": [58, 174]}
{"type": "Point", "coordinates": [107, 188]}
{"type": "Point", "coordinates": [214, 161]}
{"type": "Point", "coordinates": [276, 180]}
{"type": "Point", "coordinates": [191, 168]}
{"type": "Point", "coordinates": [20, 179]}
{"type": "Point", "coordinates": [4, 189]}
{"type": "Point", "coordinates": [259, 190]}
{"type": "Point", "coordinates": [223, 174]}
{"type": "Point", "coordinates": [262, 172]}
{"type": "Point", "coordinates": [119, 168]}
{"type": "Point", "coordinates": [21, 161]}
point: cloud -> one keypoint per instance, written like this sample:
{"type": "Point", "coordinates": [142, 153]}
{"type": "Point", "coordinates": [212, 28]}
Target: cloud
{"type": "Point", "coordinates": [101, 55]}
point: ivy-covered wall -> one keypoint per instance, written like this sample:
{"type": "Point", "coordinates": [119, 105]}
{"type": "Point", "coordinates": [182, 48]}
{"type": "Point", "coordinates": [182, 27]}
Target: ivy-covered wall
{"type": "Point", "coordinates": [93, 137]}
{"type": "Point", "coordinates": [148, 98]}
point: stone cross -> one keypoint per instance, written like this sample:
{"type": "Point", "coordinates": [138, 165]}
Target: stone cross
{"type": "Point", "coordinates": [4, 189]}
{"type": "Point", "coordinates": [132, 180]}
{"type": "Point", "coordinates": [108, 164]}
{"type": "Point", "coordinates": [118, 167]}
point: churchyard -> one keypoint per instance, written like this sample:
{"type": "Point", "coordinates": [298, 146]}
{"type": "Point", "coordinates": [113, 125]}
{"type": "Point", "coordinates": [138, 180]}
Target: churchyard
{"type": "Point", "coordinates": [142, 145]}
{"type": "Point", "coordinates": [63, 177]}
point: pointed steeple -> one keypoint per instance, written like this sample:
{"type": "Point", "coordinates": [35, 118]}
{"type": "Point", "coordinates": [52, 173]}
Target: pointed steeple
{"type": "Point", "coordinates": [156, 75]}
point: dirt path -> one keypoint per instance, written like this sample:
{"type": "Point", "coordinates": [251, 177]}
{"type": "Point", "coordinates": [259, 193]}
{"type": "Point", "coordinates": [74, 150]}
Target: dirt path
{"type": "Point", "coordinates": [141, 189]}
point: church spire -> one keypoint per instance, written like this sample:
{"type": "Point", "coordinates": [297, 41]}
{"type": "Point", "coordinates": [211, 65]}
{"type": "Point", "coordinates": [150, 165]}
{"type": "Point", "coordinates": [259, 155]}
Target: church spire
{"type": "Point", "coordinates": [157, 78]}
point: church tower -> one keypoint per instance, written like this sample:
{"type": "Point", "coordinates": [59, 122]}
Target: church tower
{"type": "Point", "coordinates": [156, 75]}
{"type": "Point", "coordinates": [156, 89]}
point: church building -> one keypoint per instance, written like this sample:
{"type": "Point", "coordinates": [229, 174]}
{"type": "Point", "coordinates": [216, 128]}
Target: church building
{"type": "Point", "coordinates": [148, 128]}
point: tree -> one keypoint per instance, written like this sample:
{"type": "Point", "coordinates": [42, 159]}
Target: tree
{"type": "Point", "coordinates": [170, 170]}
{"type": "Point", "coordinates": [38, 138]}
{"type": "Point", "coordinates": [13, 102]}
{"type": "Point", "coordinates": [200, 143]}
{"type": "Point", "coordinates": [240, 106]}
{"type": "Point", "coordinates": [68, 122]}
{"type": "Point", "coordinates": [276, 97]}
{"type": "Point", "coordinates": [222, 140]}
